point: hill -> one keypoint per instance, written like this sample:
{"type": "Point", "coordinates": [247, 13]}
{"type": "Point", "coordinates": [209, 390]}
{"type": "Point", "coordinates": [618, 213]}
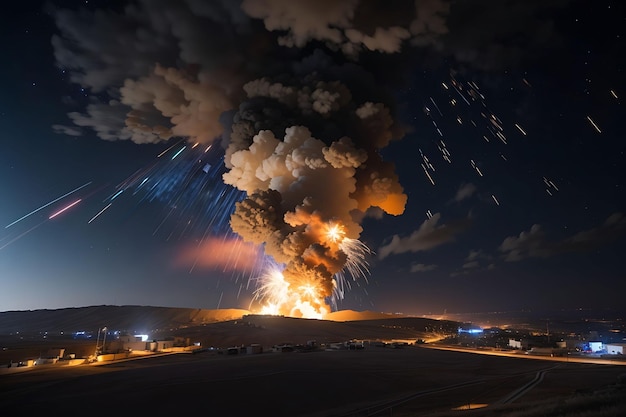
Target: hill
{"type": "Point", "coordinates": [134, 319]}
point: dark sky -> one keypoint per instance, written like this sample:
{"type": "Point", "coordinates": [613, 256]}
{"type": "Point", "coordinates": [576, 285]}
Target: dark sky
{"type": "Point", "coordinates": [483, 165]}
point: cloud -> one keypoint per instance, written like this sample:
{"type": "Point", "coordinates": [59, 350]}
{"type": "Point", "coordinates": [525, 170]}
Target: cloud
{"type": "Point", "coordinates": [534, 244]}
{"type": "Point", "coordinates": [422, 267]}
{"type": "Point", "coordinates": [465, 191]}
{"type": "Point", "coordinates": [471, 265]}
{"type": "Point", "coordinates": [428, 236]}
{"type": "Point", "coordinates": [67, 130]}
{"type": "Point", "coordinates": [352, 25]}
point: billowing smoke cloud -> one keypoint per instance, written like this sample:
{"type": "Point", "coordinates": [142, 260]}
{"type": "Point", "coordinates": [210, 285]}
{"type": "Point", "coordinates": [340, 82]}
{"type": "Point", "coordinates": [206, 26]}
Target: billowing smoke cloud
{"type": "Point", "coordinates": [282, 84]}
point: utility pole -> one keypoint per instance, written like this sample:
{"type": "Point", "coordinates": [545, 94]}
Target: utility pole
{"type": "Point", "coordinates": [104, 339]}
{"type": "Point", "coordinates": [97, 342]}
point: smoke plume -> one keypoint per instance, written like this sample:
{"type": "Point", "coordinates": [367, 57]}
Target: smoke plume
{"type": "Point", "coordinates": [297, 93]}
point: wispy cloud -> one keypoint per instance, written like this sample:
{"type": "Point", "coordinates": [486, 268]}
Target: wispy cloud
{"type": "Point", "coordinates": [429, 235]}
{"type": "Point", "coordinates": [534, 244]}
{"type": "Point", "coordinates": [422, 267]}
{"type": "Point", "coordinates": [465, 191]}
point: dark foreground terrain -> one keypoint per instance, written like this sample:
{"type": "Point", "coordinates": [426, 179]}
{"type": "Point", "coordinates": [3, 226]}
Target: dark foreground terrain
{"type": "Point", "coordinates": [383, 379]}
{"type": "Point", "coordinates": [408, 381]}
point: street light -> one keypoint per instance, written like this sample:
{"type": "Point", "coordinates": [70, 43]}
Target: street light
{"type": "Point", "coordinates": [103, 329]}
{"type": "Point", "coordinates": [97, 343]}
{"type": "Point", "coordinates": [104, 339]}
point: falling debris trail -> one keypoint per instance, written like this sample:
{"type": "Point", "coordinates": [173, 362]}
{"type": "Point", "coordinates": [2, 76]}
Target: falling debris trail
{"type": "Point", "coordinates": [595, 126]}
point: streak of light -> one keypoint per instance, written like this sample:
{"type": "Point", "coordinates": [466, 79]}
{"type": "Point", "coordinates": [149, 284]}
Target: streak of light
{"type": "Point", "coordinates": [99, 213]}
{"type": "Point", "coordinates": [429, 214]}
{"type": "Point", "coordinates": [476, 167]}
{"type": "Point", "coordinates": [526, 82]}
{"type": "Point", "coordinates": [496, 122]}
{"type": "Point", "coordinates": [21, 235]}
{"type": "Point", "coordinates": [445, 86]}
{"type": "Point", "coordinates": [613, 94]}
{"type": "Point", "coordinates": [520, 129]}
{"type": "Point", "coordinates": [179, 151]}
{"type": "Point", "coordinates": [437, 107]}
{"type": "Point", "coordinates": [165, 151]}
{"type": "Point", "coordinates": [52, 216]}
{"type": "Point", "coordinates": [426, 161]}
{"type": "Point", "coordinates": [552, 184]}
{"type": "Point", "coordinates": [117, 194]}
{"type": "Point", "coordinates": [495, 199]}
{"type": "Point", "coordinates": [549, 184]}
{"type": "Point", "coordinates": [594, 124]}
{"type": "Point", "coordinates": [174, 145]}
{"type": "Point", "coordinates": [428, 175]}
{"type": "Point", "coordinates": [195, 144]}
{"type": "Point", "coordinates": [47, 204]}
{"type": "Point", "coordinates": [462, 96]}
{"type": "Point", "coordinates": [503, 157]}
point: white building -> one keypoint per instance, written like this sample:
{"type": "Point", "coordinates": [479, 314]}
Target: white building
{"type": "Point", "coordinates": [515, 344]}
{"type": "Point", "coordinates": [615, 348]}
{"type": "Point", "coordinates": [595, 347]}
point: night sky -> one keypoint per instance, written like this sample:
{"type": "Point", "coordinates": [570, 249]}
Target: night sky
{"type": "Point", "coordinates": [497, 127]}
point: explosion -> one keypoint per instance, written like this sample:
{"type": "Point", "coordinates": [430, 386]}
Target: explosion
{"type": "Point", "coordinates": [300, 106]}
{"type": "Point", "coordinates": [302, 204]}
{"type": "Point", "coordinates": [307, 298]}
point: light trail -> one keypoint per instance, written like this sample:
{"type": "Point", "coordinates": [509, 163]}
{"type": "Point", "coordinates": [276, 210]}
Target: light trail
{"type": "Point", "coordinates": [594, 124]}
{"type": "Point", "coordinates": [99, 213]}
{"type": "Point", "coordinates": [21, 235]}
{"type": "Point", "coordinates": [46, 205]}
{"type": "Point", "coordinates": [165, 151]}
{"type": "Point", "coordinates": [65, 209]}
{"type": "Point", "coordinates": [178, 153]}
{"type": "Point", "coordinates": [428, 175]}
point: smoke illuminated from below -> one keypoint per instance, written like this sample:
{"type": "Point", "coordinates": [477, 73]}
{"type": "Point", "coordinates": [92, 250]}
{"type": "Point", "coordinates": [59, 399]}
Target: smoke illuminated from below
{"type": "Point", "coordinates": [306, 297]}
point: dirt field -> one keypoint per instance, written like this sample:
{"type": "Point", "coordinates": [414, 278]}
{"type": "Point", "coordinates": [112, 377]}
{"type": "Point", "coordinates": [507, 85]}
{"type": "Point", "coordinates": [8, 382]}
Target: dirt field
{"type": "Point", "coordinates": [410, 381]}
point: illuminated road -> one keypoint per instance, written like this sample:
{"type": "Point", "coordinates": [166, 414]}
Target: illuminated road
{"type": "Point", "coordinates": [523, 355]}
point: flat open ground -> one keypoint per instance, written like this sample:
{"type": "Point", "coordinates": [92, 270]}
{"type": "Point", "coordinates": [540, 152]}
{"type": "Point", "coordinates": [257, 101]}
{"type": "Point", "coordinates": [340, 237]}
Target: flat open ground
{"type": "Point", "coordinates": [411, 381]}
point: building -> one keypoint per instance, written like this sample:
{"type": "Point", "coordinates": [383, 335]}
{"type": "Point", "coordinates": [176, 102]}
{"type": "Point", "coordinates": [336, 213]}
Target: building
{"type": "Point", "coordinates": [596, 347]}
{"type": "Point", "coordinates": [515, 344]}
{"type": "Point", "coordinates": [254, 348]}
{"type": "Point", "coordinates": [615, 348]}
